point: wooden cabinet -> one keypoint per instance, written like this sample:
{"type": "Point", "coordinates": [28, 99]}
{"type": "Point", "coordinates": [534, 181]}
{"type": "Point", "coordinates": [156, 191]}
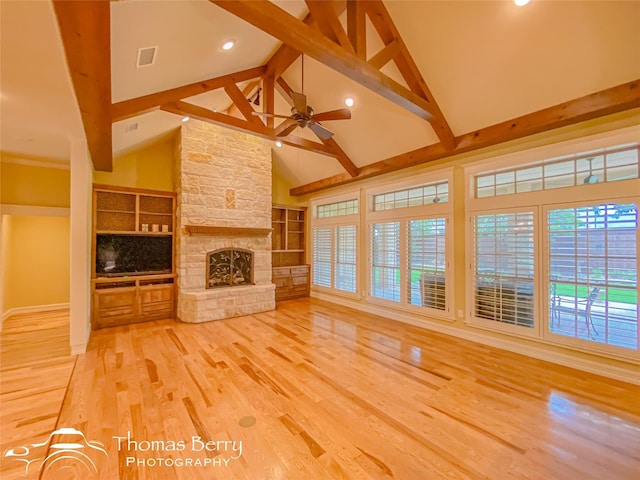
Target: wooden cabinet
{"type": "Point", "coordinates": [291, 282]}
{"type": "Point", "coordinates": [133, 250]}
{"type": "Point", "coordinates": [290, 273]}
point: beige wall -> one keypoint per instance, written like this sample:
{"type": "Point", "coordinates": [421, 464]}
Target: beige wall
{"type": "Point", "coordinates": [34, 185]}
{"type": "Point", "coordinates": [151, 167]}
{"type": "Point", "coordinates": [35, 261]}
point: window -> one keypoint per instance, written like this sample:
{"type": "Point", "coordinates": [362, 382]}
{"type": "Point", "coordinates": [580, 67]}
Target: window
{"type": "Point", "coordinates": [598, 166]}
{"type": "Point", "coordinates": [335, 252]}
{"type": "Point", "coordinates": [345, 258]}
{"type": "Point", "coordinates": [593, 273]}
{"type": "Point", "coordinates": [408, 245]}
{"type": "Point", "coordinates": [415, 196]}
{"type": "Point", "coordinates": [504, 268]}
{"type": "Point", "coordinates": [385, 261]}
{"type": "Point", "coordinates": [322, 256]}
{"type": "Point", "coordinates": [427, 261]}
{"type": "Point", "coordinates": [337, 209]}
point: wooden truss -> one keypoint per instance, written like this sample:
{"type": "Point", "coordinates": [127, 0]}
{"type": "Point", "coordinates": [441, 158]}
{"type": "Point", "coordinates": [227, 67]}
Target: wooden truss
{"type": "Point", "coordinates": [85, 32]}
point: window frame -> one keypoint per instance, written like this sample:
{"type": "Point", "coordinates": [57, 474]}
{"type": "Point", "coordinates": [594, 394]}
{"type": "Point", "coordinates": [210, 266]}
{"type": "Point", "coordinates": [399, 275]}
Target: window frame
{"type": "Point", "coordinates": [578, 343]}
{"type": "Point", "coordinates": [621, 191]}
{"type": "Point", "coordinates": [332, 223]}
{"type": "Point", "coordinates": [404, 215]}
{"type": "Point", "coordinates": [470, 318]}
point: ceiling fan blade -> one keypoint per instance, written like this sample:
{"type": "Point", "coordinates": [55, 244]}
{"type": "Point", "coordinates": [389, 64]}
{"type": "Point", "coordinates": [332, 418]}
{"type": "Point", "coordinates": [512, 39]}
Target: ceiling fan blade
{"type": "Point", "coordinates": [299, 102]}
{"type": "Point", "coordinates": [265, 114]}
{"type": "Point", "coordinates": [320, 131]}
{"type": "Point", "coordinates": [340, 114]}
{"type": "Point", "coordinates": [285, 128]}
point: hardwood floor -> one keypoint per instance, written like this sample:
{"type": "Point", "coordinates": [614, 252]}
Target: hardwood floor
{"type": "Point", "coordinates": [318, 391]}
{"type": "Point", "coordinates": [35, 368]}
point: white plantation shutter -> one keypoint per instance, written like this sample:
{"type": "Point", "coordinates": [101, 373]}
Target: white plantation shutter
{"type": "Point", "coordinates": [385, 261]}
{"type": "Point", "coordinates": [426, 262]}
{"type": "Point", "coordinates": [593, 274]}
{"type": "Point", "coordinates": [322, 256]}
{"type": "Point", "coordinates": [504, 267]}
{"type": "Point", "coordinates": [345, 258]}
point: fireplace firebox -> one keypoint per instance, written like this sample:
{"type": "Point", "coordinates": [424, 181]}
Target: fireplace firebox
{"type": "Point", "coordinates": [229, 267]}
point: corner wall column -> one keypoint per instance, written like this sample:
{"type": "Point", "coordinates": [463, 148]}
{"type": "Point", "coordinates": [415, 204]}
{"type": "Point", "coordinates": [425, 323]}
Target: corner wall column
{"type": "Point", "coordinates": [80, 246]}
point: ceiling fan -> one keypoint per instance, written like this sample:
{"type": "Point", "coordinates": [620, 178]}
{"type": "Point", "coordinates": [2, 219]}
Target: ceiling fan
{"type": "Point", "coordinates": [302, 115]}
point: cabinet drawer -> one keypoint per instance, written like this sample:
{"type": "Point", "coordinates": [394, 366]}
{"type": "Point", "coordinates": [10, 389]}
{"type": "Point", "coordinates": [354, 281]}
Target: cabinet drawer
{"type": "Point", "coordinates": [153, 294]}
{"type": "Point", "coordinates": [281, 282]}
{"type": "Point", "coordinates": [300, 280]}
{"type": "Point", "coordinates": [117, 297]}
{"type": "Point", "coordinates": [301, 270]}
{"type": "Point", "coordinates": [281, 272]}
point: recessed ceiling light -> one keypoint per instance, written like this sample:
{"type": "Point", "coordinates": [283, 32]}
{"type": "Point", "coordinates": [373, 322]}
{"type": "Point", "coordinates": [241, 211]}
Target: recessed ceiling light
{"type": "Point", "coordinates": [185, 118]}
{"type": "Point", "coordinates": [228, 45]}
{"type": "Point", "coordinates": [521, 3]}
{"type": "Point", "coordinates": [278, 143]}
{"type": "Point", "coordinates": [349, 102]}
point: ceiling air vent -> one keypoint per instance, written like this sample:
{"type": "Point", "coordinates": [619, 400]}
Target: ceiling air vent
{"type": "Point", "coordinates": [146, 56]}
{"type": "Point", "coordinates": [132, 127]}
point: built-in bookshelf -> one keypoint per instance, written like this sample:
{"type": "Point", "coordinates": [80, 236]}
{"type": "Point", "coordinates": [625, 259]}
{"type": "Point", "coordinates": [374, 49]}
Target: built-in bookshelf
{"type": "Point", "coordinates": [290, 272]}
{"type": "Point", "coordinates": [133, 251]}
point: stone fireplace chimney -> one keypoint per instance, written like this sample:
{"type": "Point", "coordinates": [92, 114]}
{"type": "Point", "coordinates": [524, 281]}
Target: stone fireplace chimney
{"type": "Point", "coordinates": [224, 203]}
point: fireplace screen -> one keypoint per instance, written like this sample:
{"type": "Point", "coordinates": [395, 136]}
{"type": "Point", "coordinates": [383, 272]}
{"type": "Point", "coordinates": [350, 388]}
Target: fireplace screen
{"type": "Point", "coordinates": [229, 268]}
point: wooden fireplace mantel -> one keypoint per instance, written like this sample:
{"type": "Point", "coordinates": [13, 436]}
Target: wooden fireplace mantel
{"type": "Point", "coordinates": [226, 231]}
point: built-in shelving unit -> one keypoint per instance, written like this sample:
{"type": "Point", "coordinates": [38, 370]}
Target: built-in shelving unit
{"type": "Point", "coordinates": [133, 251]}
{"type": "Point", "coordinates": [290, 272]}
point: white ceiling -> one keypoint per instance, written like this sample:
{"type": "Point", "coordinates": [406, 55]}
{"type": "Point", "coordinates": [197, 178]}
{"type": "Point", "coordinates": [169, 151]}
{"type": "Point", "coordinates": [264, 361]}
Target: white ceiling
{"type": "Point", "coordinates": [484, 61]}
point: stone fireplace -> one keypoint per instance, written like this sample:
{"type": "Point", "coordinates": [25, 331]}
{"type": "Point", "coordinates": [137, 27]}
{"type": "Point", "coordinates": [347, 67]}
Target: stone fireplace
{"type": "Point", "coordinates": [223, 248]}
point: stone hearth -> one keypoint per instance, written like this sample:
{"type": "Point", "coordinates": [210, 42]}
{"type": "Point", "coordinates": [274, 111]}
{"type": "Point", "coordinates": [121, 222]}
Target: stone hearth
{"type": "Point", "coordinates": [224, 202]}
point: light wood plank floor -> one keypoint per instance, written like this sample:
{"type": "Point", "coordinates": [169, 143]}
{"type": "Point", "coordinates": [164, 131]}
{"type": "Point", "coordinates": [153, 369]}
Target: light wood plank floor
{"type": "Point", "coordinates": [338, 394]}
{"type": "Point", "coordinates": [35, 369]}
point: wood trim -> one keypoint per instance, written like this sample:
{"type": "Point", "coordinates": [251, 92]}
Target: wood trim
{"type": "Point", "coordinates": [143, 191]}
{"type": "Point", "coordinates": [85, 28]}
{"type": "Point", "coordinates": [207, 230]}
{"type": "Point", "coordinates": [612, 100]}
{"type": "Point", "coordinates": [385, 55]}
{"type": "Point", "coordinates": [300, 36]}
{"type": "Point", "coordinates": [149, 103]}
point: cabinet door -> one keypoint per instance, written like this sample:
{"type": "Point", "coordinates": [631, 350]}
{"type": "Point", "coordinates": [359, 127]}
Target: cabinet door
{"type": "Point", "coordinates": [114, 306]}
{"type": "Point", "coordinates": [156, 301]}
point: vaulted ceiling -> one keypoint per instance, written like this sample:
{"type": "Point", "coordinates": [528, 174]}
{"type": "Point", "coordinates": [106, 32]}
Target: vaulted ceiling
{"type": "Point", "coordinates": [430, 78]}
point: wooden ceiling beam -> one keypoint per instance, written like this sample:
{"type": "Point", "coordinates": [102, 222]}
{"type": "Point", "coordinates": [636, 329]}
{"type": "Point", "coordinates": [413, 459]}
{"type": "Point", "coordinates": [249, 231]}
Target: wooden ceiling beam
{"type": "Point", "coordinates": [85, 28]}
{"type": "Point", "coordinates": [342, 157]}
{"type": "Point", "coordinates": [357, 27]}
{"type": "Point", "coordinates": [217, 118]}
{"type": "Point", "coordinates": [302, 37]}
{"type": "Point", "coordinates": [384, 56]}
{"type": "Point", "coordinates": [235, 123]}
{"type": "Point", "coordinates": [241, 103]}
{"type": "Point", "coordinates": [325, 15]}
{"type": "Point", "coordinates": [612, 100]}
{"type": "Point", "coordinates": [247, 92]}
{"type": "Point", "coordinates": [383, 23]}
{"type": "Point", "coordinates": [149, 103]}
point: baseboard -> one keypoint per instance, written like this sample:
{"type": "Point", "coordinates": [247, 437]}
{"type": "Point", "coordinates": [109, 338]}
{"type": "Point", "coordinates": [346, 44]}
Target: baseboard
{"type": "Point", "coordinates": [624, 374]}
{"type": "Point", "coordinates": [32, 309]}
